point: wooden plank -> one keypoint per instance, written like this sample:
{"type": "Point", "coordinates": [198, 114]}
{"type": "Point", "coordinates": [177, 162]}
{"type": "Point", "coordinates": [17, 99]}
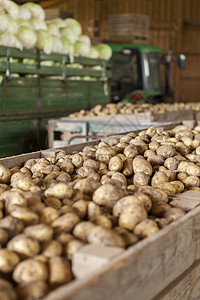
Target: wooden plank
{"type": "Point", "coordinates": [18, 160]}
{"type": "Point", "coordinates": [186, 287]}
{"type": "Point", "coordinates": [145, 269]}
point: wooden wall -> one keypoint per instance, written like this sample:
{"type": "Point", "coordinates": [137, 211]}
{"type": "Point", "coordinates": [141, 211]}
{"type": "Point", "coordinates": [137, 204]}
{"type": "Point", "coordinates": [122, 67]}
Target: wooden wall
{"type": "Point", "coordinates": [174, 25]}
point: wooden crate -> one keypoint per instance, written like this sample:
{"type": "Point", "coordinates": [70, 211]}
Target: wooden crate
{"type": "Point", "coordinates": [53, 13]}
{"type": "Point", "coordinates": [132, 28]}
{"type": "Point", "coordinates": [165, 266]}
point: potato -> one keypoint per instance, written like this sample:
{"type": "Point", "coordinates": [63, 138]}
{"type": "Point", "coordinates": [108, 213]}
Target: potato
{"type": "Point", "coordinates": [140, 178]}
{"type": "Point", "coordinates": [66, 166]}
{"type": "Point", "coordinates": [155, 160]}
{"type": "Point", "coordinates": [4, 236]}
{"type": "Point", "coordinates": [30, 270]}
{"type": "Point", "coordinates": [154, 145]}
{"type": "Point", "coordinates": [5, 174]}
{"type": "Point", "coordinates": [64, 237]}
{"type": "Point", "coordinates": [51, 248]}
{"type": "Point", "coordinates": [87, 186]}
{"type": "Point", "coordinates": [131, 151]}
{"type": "Point", "coordinates": [172, 214]}
{"type": "Point", "coordinates": [13, 198]}
{"type": "Point", "coordinates": [53, 202]}
{"type": "Point", "coordinates": [115, 163]}
{"type": "Point", "coordinates": [65, 223]}
{"type": "Point", "coordinates": [144, 200]}
{"type": "Point", "coordinates": [91, 163]}
{"type": "Point", "coordinates": [166, 187]}
{"type": "Point", "coordinates": [59, 190]}
{"type": "Point", "coordinates": [104, 236]}
{"type": "Point", "coordinates": [72, 247]}
{"type": "Point", "coordinates": [7, 291]}
{"type": "Point", "coordinates": [80, 208]}
{"type": "Point", "coordinates": [128, 167]}
{"type": "Point", "coordinates": [103, 221]}
{"type": "Point", "coordinates": [125, 138]}
{"type": "Point", "coordinates": [131, 216]}
{"type": "Point", "coordinates": [140, 145]}
{"type": "Point", "coordinates": [145, 228]}
{"type": "Point", "coordinates": [104, 154]}
{"type": "Point", "coordinates": [93, 211]}
{"type": "Point", "coordinates": [179, 186]}
{"type": "Point", "coordinates": [166, 151]}
{"type": "Point", "coordinates": [191, 181]}
{"type": "Point", "coordinates": [120, 177]}
{"type": "Point", "coordinates": [151, 131]}
{"type": "Point", "coordinates": [32, 290]}
{"type": "Point", "coordinates": [12, 225]}
{"type": "Point", "coordinates": [141, 165]}
{"type": "Point", "coordinates": [59, 271]}
{"type": "Point", "coordinates": [24, 245]}
{"type": "Point", "coordinates": [181, 176]}
{"type": "Point", "coordinates": [48, 215]}
{"type": "Point", "coordinates": [64, 177]}
{"type": "Point", "coordinates": [40, 232]}
{"type": "Point", "coordinates": [159, 177]}
{"type": "Point", "coordinates": [82, 230]}
{"type": "Point", "coordinates": [171, 163]}
{"type": "Point", "coordinates": [24, 214]}
{"type": "Point", "coordinates": [159, 208]}
{"type": "Point", "coordinates": [107, 194]}
{"type": "Point", "coordinates": [8, 260]}
{"type": "Point", "coordinates": [21, 181]}
{"type": "Point", "coordinates": [154, 193]}
{"type": "Point", "coordinates": [128, 237]}
{"type": "Point", "coordinates": [123, 203]}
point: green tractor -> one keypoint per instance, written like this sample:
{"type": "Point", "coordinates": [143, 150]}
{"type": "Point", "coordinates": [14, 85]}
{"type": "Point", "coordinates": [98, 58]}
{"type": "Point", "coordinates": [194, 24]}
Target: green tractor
{"type": "Point", "coordinates": [136, 73]}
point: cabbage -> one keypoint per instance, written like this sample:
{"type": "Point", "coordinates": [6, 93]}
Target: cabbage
{"type": "Point", "coordinates": [24, 13]}
{"type": "Point", "coordinates": [4, 22]}
{"type": "Point", "coordinates": [81, 48]}
{"type": "Point", "coordinates": [60, 23]}
{"type": "Point", "coordinates": [57, 44]}
{"type": "Point", "coordinates": [36, 10]}
{"type": "Point", "coordinates": [53, 29]}
{"type": "Point", "coordinates": [44, 41]}
{"type": "Point", "coordinates": [67, 47]}
{"type": "Point", "coordinates": [9, 40]}
{"type": "Point", "coordinates": [74, 25]}
{"type": "Point", "coordinates": [68, 34]}
{"type": "Point", "coordinates": [11, 8]}
{"type": "Point", "coordinates": [21, 22]}
{"type": "Point", "coordinates": [86, 39]}
{"type": "Point", "coordinates": [27, 37]}
{"type": "Point", "coordinates": [29, 61]}
{"type": "Point", "coordinates": [74, 66]}
{"type": "Point", "coordinates": [12, 25]}
{"type": "Point", "coordinates": [38, 24]}
{"type": "Point", "coordinates": [105, 52]}
{"type": "Point", "coordinates": [48, 63]}
{"type": "Point", "coordinates": [93, 53]}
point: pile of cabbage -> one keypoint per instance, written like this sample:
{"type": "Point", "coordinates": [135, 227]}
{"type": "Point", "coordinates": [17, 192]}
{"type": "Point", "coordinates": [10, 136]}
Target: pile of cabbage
{"type": "Point", "coordinates": [25, 27]}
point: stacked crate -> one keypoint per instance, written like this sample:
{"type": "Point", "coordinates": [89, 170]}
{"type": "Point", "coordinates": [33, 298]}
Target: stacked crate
{"type": "Point", "coordinates": [129, 28]}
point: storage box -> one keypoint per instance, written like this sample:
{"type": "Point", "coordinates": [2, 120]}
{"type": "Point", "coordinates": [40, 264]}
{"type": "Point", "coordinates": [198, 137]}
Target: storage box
{"type": "Point", "coordinates": [131, 28]}
{"type": "Point", "coordinates": [162, 267]}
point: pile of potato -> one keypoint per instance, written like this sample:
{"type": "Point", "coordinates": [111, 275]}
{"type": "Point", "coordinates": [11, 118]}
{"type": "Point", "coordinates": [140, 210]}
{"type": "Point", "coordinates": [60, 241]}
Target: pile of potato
{"type": "Point", "coordinates": [129, 108]}
{"type": "Point", "coordinates": [114, 194]}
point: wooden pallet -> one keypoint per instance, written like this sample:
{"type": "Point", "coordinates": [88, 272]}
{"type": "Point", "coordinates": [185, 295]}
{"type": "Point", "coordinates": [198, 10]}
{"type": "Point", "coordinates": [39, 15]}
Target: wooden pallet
{"type": "Point", "coordinates": [165, 266]}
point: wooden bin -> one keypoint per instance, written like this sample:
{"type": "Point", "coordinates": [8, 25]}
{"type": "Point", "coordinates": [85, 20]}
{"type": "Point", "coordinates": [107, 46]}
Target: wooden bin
{"type": "Point", "coordinates": [131, 28]}
{"type": "Point", "coordinates": [165, 266]}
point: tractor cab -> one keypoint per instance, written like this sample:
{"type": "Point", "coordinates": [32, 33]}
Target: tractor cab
{"type": "Point", "coordinates": [136, 74]}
